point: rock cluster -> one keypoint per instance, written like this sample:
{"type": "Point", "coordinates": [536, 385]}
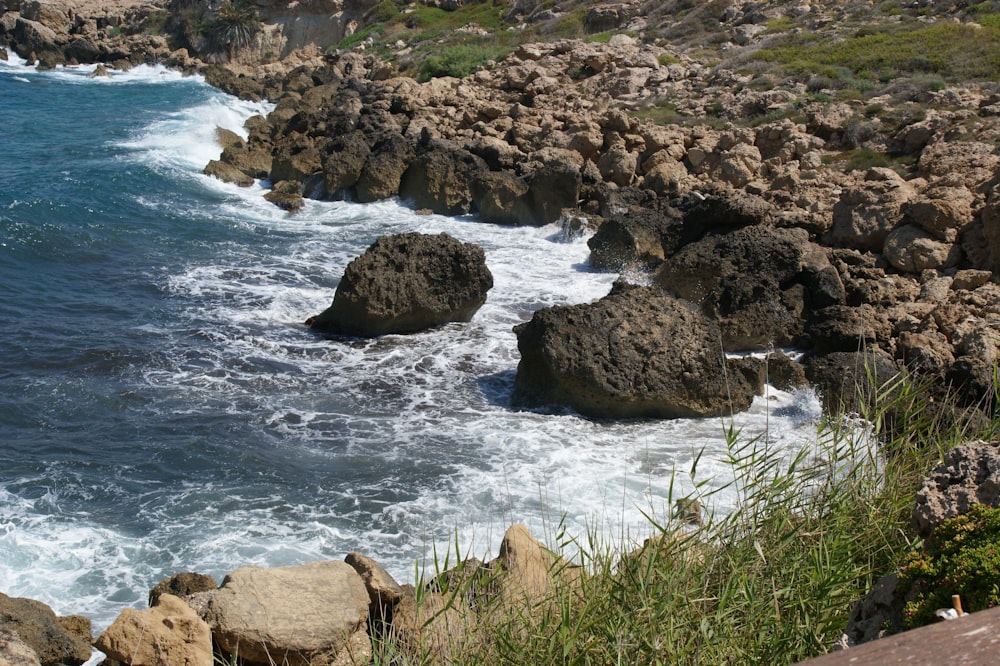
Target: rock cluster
{"type": "Point", "coordinates": [323, 613]}
{"type": "Point", "coordinates": [758, 224]}
{"type": "Point", "coordinates": [775, 246]}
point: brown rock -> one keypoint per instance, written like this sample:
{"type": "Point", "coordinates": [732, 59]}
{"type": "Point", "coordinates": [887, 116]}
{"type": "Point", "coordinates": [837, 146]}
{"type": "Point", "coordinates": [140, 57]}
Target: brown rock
{"type": "Point", "coordinates": [383, 590]}
{"type": "Point", "coordinates": [864, 215]}
{"type": "Point", "coordinates": [37, 625]}
{"type": "Point", "coordinates": [167, 634]}
{"type": "Point", "coordinates": [912, 250]}
{"type": "Point", "coordinates": [306, 615]}
{"type": "Point", "coordinates": [637, 352]}
{"type": "Point", "coordinates": [389, 159]}
{"type": "Point", "coordinates": [429, 628]}
{"type": "Point", "coordinates": [407, 283]}
{"type": "Point", "coordinates": [182, 585]}
{"type": "Point", "coordinates": [942, 212]}
{"type": "Point", "coordinates": [15, 652]}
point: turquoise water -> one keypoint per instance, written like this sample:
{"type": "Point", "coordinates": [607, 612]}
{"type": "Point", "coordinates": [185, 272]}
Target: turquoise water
{"type": "Point", "coordinates": [163, 409]}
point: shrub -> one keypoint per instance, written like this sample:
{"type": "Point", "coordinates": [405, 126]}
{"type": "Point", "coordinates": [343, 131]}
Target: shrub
{"type": "Point", "coordinates": [963, 559]}
{"type": "Point", "coordinates": [235, 24]}
{"type": "Point", "coordinates": [458, 60]}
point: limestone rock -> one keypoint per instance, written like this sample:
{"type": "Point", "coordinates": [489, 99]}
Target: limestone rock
{"type": "Point", "coordinates": [343, 165]}
{"type": "Point", "coordinates": [500, 197]}
{"type": "Point", "coordinates": [389, 159]}
{"type": "Point", "coordinates": [844, 379]}
{"type": "Point", "coordinates": [227, 173]}
{"type": "Point", "coordinates": [168, 634]}
{"type": "Point", "coordinates": [15, 652]}
{"type": "Point", "coordinates": [912, 250]}
{"type": "Point", "coordinates": [49, 636]}
{"type": "Point", "coordinates": [637, 235]}
{"type": "Point", "coordinates": [306, 615]}
{"type": "Point", "coordinates": [637, 352]}
{"type": "Point", "coordinates": [970, 475]}
{"type": "Point", "coordinates": [942, 212]}
{"type": "Point", "coordinates": [864, 215]}
{"type": "Point", "coordinates": [286, 194]}
{"type": "Point", "coordinates": [406, 283]}
{"type": "Point", "coordinates": [383, 591]}
{"type": "Point", "coordinates": [429, 628]}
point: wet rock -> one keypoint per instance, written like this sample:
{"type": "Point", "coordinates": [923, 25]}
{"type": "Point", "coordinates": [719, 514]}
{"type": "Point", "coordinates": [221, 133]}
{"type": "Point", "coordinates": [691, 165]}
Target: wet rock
{"type": "Point", "coordinates": [848, 381]}
{"type": "Point", "coordinates": [227, 173]}
{"type": "Point", "coordinates": [343, 164]}
{"type": "Point", "coordinates": [407, 283]}
{"type": "Point", "coordinates": [287, 195]}
{"type": "Point", "coordinates": [389, 159]}
{"type": "Point", "coordinates": [637, 352]}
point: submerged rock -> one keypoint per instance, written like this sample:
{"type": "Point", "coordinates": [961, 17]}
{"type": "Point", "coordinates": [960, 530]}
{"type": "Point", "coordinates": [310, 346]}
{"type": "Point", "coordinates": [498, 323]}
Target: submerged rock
{"type": "Point", "coordinates": [407, 283]}
{"type": "Point", "coordinates": [637, 352]}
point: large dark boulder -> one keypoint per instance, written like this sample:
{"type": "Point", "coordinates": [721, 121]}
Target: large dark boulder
{"type": "Point", "coordinates": [407, 283]}
{"type": "Point", "coordinates": [56, 640]}
{"type": "Point", "coordinates": [440, 177]}
{"type": "Point", "coordinates": [757, 283]}
{"type": "Point", "coordinates": [637, 352]}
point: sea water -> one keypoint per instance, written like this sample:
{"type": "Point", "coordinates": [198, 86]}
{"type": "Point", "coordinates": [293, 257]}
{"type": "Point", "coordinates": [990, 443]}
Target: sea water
{"type": "Point", "coordinates": [164, 409]}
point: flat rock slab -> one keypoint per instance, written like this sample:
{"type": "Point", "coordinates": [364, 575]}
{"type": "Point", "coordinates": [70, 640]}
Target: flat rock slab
{"type": "Point", "coordinates": [307, 614]}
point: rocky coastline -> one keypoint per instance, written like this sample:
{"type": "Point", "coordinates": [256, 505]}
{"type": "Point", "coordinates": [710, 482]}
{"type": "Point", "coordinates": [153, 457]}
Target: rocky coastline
{"type": "Point", "coordinates": [745, 234]}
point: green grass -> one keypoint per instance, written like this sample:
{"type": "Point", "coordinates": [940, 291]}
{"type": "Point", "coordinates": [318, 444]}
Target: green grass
{"type": "Point", "coordinates": [770, 581]}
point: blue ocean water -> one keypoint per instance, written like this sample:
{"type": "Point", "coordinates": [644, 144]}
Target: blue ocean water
{"type": "Point", "coordinates": [163, 408]}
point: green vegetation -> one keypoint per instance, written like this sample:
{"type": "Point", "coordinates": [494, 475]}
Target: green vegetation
{"type": "Point", "coordinates": [771, 581]}
{"type": "Point", "coordinates": [953, 51]}
{"type": "Point", "coordinates": [459, 60]}
{"type": "Point", "coordinates": [964, 560]}
{"type": "Point", "coordinates": [234, 26]}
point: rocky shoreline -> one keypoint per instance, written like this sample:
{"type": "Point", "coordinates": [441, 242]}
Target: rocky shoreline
{"type": "Point", "coordinates": [730, 236]}
{"type": "Point", "coordinates": [755, 224]}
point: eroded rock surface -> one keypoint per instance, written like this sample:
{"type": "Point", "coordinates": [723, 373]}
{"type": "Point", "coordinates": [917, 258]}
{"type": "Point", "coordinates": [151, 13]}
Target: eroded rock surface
{"type": "Point", "coordinates": [407, 283]}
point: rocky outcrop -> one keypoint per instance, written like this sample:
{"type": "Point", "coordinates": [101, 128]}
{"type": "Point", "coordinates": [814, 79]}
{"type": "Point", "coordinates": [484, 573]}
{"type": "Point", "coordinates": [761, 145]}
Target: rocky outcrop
{"type": "Point", "coordinates": [169, 633]}
{"type": "Point", "coordinates": [407, 283]}
{"type": "Point", "coordinates": [312, 614]}
{"type": "Point", "coordinates": [755, 283]}
{"type": "Point", "coordinates": [54, 640]}
{"type": "Point", "coordinates": [970, 475]}
{"type": "Point", "coordinates": [638, 352]}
